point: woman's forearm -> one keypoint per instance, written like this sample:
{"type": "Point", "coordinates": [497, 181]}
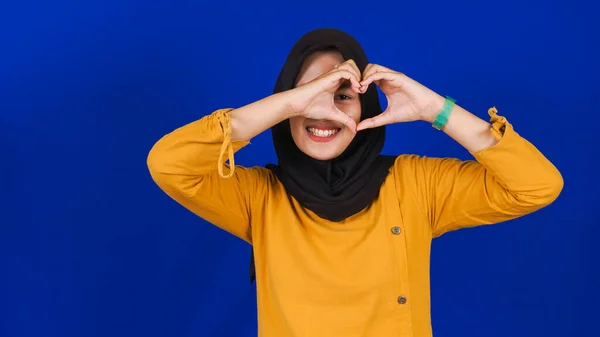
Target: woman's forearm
{"type": "Point", "coordinates": [250, 120]}
{"type": "Point", "coordinates": [470, 131]}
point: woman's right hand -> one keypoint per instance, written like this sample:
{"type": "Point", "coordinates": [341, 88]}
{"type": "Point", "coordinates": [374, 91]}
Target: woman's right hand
{"type": "Point", "coordinates": [316, 99]}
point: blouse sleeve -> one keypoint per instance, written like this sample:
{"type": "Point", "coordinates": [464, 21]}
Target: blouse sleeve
{"type": "Point", "coordinates": [190, 165]}
{"type": "Point", "coordinates": [506, 181]}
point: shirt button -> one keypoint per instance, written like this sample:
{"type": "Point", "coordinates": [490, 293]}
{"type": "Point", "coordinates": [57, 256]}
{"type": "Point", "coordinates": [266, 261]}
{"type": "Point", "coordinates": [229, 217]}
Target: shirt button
{"type": "Point", "coordinates": [396, 230]}
{"type": "Point", "coordinates": [401, 299]}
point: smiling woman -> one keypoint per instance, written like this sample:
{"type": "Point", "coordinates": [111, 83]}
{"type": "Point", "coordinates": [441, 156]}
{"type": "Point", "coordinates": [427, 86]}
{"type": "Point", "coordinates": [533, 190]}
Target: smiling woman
{"type": "Point", "coordinates": [340, 233]}
{"type": "Point", "coordinates": [321, 138]}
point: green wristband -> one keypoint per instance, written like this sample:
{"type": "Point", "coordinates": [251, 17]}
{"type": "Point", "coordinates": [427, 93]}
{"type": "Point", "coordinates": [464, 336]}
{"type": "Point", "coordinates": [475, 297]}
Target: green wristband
{"type": "Point", "coordinates": [442, 118]}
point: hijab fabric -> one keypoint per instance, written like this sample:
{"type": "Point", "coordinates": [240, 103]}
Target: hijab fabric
{"type": "Point", "coordinates": [339, 188]}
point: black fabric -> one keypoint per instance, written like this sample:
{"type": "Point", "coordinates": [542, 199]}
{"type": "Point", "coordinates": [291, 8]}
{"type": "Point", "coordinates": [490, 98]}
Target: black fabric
{"type": "Point", "coordinates": [339, 188]}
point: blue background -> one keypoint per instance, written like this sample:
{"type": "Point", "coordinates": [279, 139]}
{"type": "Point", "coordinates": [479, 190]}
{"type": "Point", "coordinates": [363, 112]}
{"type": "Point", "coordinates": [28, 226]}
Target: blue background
{"type": "Point", "coordinates": [89, 246]}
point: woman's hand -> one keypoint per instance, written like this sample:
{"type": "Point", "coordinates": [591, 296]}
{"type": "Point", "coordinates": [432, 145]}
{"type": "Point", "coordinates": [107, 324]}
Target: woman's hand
{"type": "Point", "coordinates": [407, 99]}
{"type": "Point", "coordinates": [316, 99]}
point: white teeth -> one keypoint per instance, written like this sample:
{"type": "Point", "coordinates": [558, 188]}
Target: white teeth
{"type": "Point", "coordinates": [322, 133]}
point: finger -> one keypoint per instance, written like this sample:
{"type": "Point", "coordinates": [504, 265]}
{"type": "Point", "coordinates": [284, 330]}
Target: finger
{"type": "Point", "coordinates": [351, 67]}
{"type": "Point", "coordinates": [348, 121]}
{"type": "Point", "coordinates": [370, 69]}
{"type": "Point", "coordinates": [396, 78]}
{"type": "Point", "coordinates": [333, 80]}
{"type": "Point", "coordinates": [339, 116]}
{"type": "Point", "coordinates": [367, 70]}
{"type": "Point", "coordinates": [374, 122]}
{"type": "Point", "coordinates": [350, 63]}
{"type": "Point", "coordinates": [365, 73]}
{"type": "Point", "coordinates": [375, 68]}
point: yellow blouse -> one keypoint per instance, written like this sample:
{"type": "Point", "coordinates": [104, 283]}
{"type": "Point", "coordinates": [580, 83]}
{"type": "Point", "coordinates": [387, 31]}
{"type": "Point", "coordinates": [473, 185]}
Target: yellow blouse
{"type": "Point", "coordinates": [367, 275]}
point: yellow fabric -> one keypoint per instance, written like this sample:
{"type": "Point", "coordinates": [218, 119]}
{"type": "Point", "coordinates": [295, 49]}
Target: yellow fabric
{"type": "Point", "coordinates": [367, 275]}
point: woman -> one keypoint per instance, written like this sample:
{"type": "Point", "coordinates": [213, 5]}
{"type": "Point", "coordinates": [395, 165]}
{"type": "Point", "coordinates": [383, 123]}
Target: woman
{"type": "Point", "coordinates": [341, 234]}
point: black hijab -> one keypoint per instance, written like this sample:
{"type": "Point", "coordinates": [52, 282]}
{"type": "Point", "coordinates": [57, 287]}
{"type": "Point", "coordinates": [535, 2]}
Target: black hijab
{"type": "Point", "coordinates": [339, 188]}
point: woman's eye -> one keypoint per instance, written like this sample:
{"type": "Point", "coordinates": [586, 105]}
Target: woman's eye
{"type": "Point", "coordinates": [343, 97]}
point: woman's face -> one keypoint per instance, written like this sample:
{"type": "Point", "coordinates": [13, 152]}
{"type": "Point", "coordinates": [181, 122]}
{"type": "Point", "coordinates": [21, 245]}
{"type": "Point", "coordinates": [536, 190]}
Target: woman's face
{"type": "Point", "coordinates": [322, 139]}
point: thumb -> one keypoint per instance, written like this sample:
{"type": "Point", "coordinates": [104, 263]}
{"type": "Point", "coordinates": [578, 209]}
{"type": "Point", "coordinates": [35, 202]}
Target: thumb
{"type": "Point", "coordinates": [379, 120]}
{"type": "Point", "coordinates": [339, 116]}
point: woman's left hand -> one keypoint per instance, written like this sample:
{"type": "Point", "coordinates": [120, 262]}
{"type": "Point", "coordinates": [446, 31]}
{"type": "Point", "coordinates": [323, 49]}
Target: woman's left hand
{"type": "Point", "coordinates": [407, 99]}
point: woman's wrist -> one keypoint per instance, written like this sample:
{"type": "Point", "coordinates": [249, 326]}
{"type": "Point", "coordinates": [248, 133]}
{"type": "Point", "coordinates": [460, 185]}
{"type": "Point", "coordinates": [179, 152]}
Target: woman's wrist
{"type": "Point", "coordinates": [252, 119]}
{"type": "Point", "coordinates": [433, 109]}
{"type": "Point", "coordinates": [285, 100]}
